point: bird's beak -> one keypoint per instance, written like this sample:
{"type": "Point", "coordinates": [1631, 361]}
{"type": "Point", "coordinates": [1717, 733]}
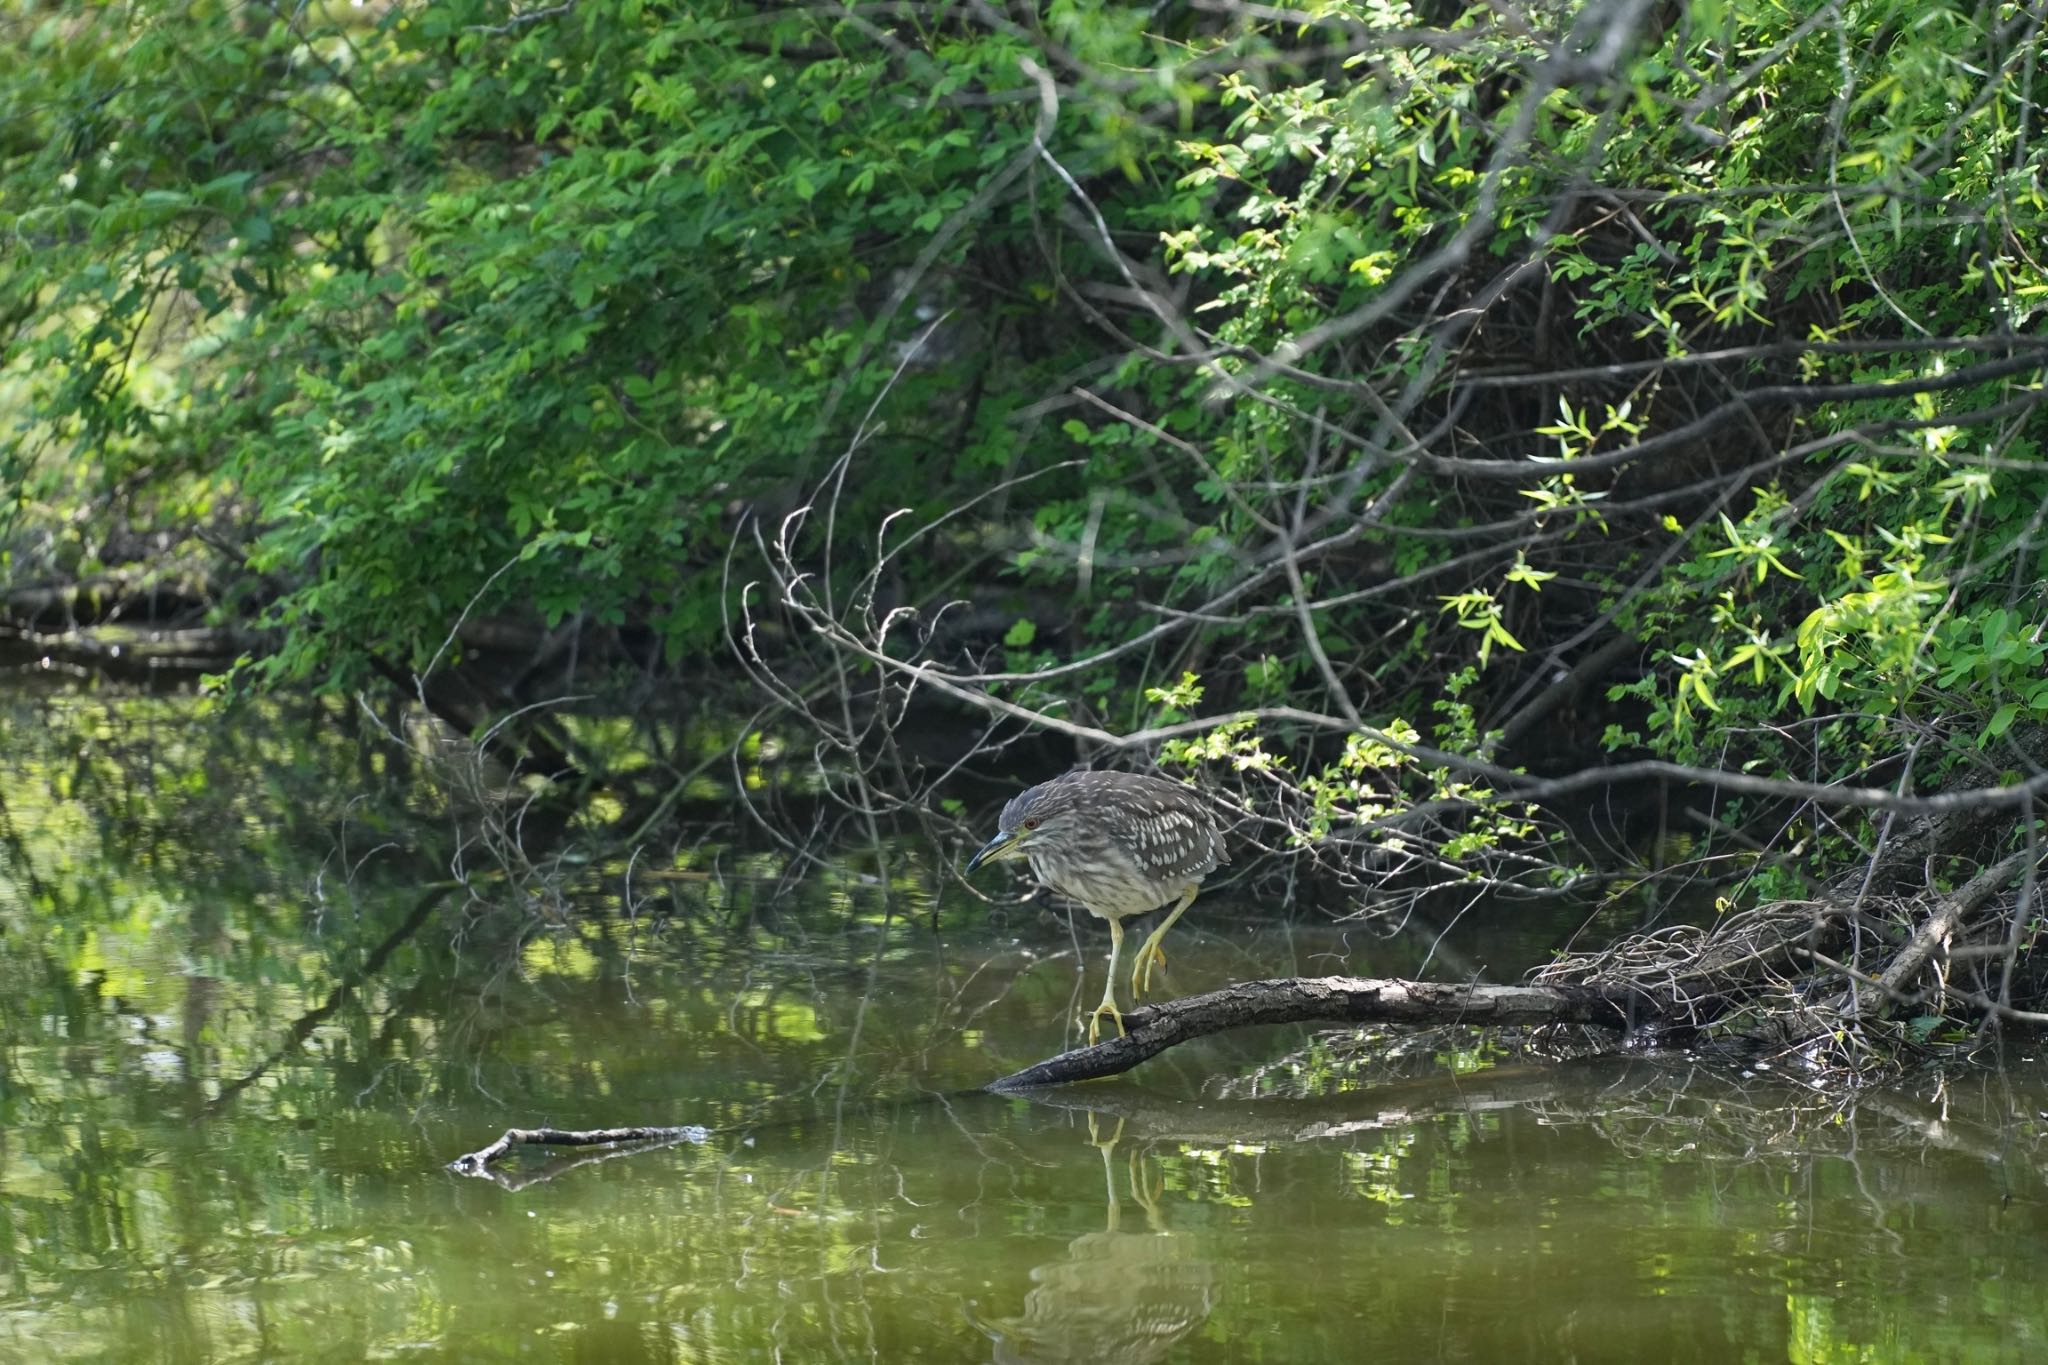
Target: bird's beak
{"type": "Point", "coordinates": [1004, 845]}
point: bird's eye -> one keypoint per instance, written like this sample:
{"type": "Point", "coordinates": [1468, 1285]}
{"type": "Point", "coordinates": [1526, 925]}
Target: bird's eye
{"type": "Point", "coordinates": [1031, 823]}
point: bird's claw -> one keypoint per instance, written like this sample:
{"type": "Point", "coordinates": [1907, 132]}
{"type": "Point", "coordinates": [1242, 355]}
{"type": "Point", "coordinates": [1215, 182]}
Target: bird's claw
{"type": "Point", "coordinates": [1095, 1021]}
{"type": "Point", "coordinates": [1141, 970]}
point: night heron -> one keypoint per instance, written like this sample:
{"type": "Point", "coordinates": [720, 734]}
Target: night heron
{"type": "Point", "coordinates": [1119, 844]}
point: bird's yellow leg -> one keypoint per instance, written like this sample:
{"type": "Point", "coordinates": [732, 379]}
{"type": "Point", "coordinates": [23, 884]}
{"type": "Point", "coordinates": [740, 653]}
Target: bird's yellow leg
{"type": "Point", "coordinates": [1150, 954]}
{"type": "Point", "coordinates": [1108, 1005]}
{"type": "Point", "coordinates": [1147, 1196]}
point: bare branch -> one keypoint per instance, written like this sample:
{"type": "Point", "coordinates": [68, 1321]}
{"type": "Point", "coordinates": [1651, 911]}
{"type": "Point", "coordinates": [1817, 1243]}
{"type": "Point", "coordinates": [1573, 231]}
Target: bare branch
{"type": "Point", "coordinates": [1344, 999]}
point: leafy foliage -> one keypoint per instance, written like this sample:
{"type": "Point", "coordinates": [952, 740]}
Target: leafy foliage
{"type": "Point", "coordinates": [1361, 346]}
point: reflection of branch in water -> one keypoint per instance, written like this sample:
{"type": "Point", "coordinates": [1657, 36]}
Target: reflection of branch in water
{"type": "Point", "coordinates": [1209, 1121]}
{"type": "Point", "coordinates": [302, 1028]}
{"type": "Point", "coordinates": [1120, 1298]}
{"type": "Point", "coordinates": [1644, 1105]}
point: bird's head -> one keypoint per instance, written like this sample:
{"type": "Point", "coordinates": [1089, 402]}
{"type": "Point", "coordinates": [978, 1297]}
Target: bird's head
{"type": "Point", "coordinates": [1037, 815]}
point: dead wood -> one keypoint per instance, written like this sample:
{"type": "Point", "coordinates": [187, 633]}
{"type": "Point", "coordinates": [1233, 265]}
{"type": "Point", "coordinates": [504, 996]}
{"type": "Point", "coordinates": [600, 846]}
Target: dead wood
{"type": "Point", "coordinates": [1702, 967]}
{"type": "Point", "coordinates": [479, 1161]}
{"type": "Point", "coordinates": [1337, 999]}
{"type": "Point", "coordinates": [1941, 925]}
{"type": "Point", "coordinates": [128, 651]}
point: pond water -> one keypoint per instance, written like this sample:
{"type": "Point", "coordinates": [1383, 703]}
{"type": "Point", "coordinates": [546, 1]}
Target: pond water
{"type": "Point", "coordinates": [246, 1023]}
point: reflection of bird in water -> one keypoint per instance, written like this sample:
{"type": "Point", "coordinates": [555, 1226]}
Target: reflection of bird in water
{"type": "Point", "coordinates": [1120, 844]}
{"type": "Point", "coordinates": [1117, 1298]}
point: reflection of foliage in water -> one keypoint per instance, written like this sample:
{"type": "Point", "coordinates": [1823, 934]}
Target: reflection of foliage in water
{"type": "Point", "coordinates": [1551, 1205]}
{"type": "Point", "coordinates": [234, 997]}
{"type": "Point", "coordinates": [141, 828]}
{"type": "Point", "coordinates": [174, 907]}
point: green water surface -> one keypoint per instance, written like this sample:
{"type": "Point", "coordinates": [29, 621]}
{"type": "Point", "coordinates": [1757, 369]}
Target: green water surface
{"type": "Point", "coordinates": [244, 1022]}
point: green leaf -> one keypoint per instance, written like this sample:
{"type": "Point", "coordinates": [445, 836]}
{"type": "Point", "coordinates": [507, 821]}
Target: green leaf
{"type": "Point", "coordinates": [1022, 634]}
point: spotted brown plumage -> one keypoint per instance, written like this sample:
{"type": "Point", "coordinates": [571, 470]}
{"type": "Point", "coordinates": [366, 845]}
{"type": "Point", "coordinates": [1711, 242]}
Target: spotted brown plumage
{"type": "Point", "coordinates": [1118, 844]}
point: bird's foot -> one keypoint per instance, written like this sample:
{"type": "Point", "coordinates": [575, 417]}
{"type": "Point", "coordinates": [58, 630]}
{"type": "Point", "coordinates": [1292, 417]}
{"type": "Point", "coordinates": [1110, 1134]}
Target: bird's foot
{"type": "Point", "coordinates": [1109, 1008]}
{"type": "Point", "coordinates": [1141, 970]}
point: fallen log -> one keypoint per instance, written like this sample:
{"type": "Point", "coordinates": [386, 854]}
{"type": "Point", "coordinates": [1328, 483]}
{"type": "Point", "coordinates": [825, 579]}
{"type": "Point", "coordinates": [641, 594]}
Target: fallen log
{"type": "Point", "coordinates": [1337, 999]}
{"type": "Point", "coordinates": [128, 651]}
{"type": "Point", "coordinates": [479, 1161]}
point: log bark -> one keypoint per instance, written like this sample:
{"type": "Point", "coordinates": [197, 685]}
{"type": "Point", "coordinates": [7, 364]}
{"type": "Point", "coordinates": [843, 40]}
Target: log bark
{"type": "Point", "coordinates": [1334, 999]}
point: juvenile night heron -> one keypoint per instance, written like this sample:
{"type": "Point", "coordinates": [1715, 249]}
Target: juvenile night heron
{"type": "Point", "coordinates": [1119, 844]}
